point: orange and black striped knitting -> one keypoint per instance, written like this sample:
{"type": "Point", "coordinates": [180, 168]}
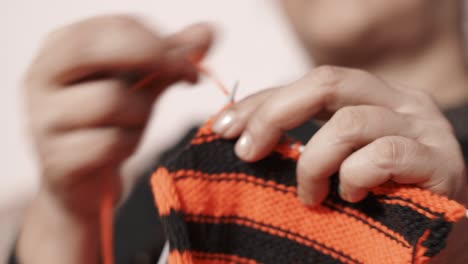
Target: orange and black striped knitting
{"type": "Point", "coordinates": [216, 208]}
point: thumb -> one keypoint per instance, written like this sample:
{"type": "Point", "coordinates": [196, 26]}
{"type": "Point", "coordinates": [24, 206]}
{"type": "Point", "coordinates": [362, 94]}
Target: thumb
{"type": "Point", "coordinates": [181, 52]}
{"type": "Point", "coordinates": [192, 43]}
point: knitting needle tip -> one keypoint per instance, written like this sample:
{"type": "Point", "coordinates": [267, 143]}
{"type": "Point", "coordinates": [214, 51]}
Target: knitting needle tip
{"type": "Point", "coordinates": [232, 94]}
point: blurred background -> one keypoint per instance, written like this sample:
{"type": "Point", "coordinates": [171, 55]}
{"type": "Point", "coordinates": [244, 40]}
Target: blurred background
{"type": "Point", "coordinates": [253, 45]}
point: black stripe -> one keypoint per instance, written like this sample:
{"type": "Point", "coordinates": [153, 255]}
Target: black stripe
{"type": "Point", "coordinates": [176, 231]}
{"type": "Point", "coordinates": [427, 210]}
{"type": "Point", "coordinates": [335, 208]}
{"type": "Point", "coordinates": [231, 218]}
{"type": "Point", "coordinates": [228, 178]}
{"type": "Point", "coordinates": [233, 239]}
{"type": "Point", "coordinates": [253, 244]}
{"type": "Point", "coordinates": [218, 157]}
{"type": "Point", "coordinates": [213, 257]}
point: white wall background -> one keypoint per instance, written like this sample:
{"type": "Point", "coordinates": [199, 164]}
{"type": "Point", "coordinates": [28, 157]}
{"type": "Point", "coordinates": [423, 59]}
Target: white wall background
{"type": "Point", "coordinates": [254, 46]}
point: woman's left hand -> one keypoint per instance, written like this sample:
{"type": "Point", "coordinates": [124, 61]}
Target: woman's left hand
{"type": "Point", "coordinates": [376, 131]}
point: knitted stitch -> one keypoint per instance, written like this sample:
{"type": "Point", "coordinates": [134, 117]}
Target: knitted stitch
{"type": "Point", "coordinates": [216, 208]}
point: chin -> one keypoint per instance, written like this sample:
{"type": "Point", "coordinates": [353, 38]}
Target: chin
{"type": "Point", "coordinates": [339, 33]}
{"type": "Point", "coordinates": [334, 41]}
{"type": "Point", "coordinates": [333, 31]}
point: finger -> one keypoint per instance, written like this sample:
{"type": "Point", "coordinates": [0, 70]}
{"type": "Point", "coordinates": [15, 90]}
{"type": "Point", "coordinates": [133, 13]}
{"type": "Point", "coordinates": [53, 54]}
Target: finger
{"type": "Point", "coordinates": [193, 42]}
{"type": "Point", "coordinates": [349, 129]}
{"type": "Point", "coordinates": [110, 43]}
{"type": "Point", "coordinates": [395, 158]}
{"type": "Point", "coordinates": [327, 88]}
{"type": "Point", "coordinates": [187, 48]}
{"type": "Point", "coordinates": [232, 121]}
{"type": "Point", "coordinates": [98, 103]}
{"type": "Point", "coordinates": [89, 149]}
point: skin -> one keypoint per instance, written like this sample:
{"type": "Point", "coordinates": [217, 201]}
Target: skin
{"type": "Point", "coordinates": [95, 73]}
{"type": "Point", "coordinates": [391, 70]}
{"type": "Point", "coordinates": [389, 61]}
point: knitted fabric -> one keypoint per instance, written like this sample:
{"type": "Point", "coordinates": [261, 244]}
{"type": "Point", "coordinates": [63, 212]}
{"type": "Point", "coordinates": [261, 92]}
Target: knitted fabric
{"type": "Point", "coordinates": [216, 208]}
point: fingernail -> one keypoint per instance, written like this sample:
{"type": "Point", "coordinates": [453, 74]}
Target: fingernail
{"type": "Point", "coordinates": [302, 197]}
{"type": "Point", "coordinates": [243, 146]}
{"type": "Point", "coordinates": [305, 198]}
{"type": "Point", "coordinates": [223, 122]}
{"type": "Point", "coordinates": [342, 193]}
{"type": "Point", "coordinates": [194, 33]}
{"type": "Point", "coordinates": [345, 195]}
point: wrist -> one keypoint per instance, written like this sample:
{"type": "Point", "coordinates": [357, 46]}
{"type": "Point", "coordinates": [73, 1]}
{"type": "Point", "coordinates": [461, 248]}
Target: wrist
{"type": "Point", "coordinates": [52, 233]}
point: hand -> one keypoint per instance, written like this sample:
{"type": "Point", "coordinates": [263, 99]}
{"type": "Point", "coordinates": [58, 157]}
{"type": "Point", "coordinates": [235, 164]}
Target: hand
{"type": "Point", "coordinates": [375, 132]}
{"type": "Point", "coordinates": [85, 116]}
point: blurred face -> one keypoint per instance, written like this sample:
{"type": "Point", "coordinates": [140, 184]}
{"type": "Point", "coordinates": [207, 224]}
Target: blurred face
{"type": "Point", "coordinates": [354, 28]}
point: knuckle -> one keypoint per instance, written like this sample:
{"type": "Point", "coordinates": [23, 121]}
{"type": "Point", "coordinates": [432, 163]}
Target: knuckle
{"type": "Point", "coordinates": [328, 80]}
{"type": "Point", "coordinates": [120, 21]}
{"type": "Point", "coordinates": [266, 116]}
{"type": "Point", "coordinates": [349, 123]}
{"type": "Point", "coordinates": [114, 99]}
{"type": "Point", "coordinates": [84, 36]}
{"type": "Point", "coordinates": [109, 141]}
{"type": "Point", "coordinates": [112, 146]}
{"type": "Point", "coordinates": [421, 95]}
{"type": "Point", "coordinates": [326, 75]}
{"type": "Point", "coordinates": [122, 27]}
{"type": "Point", "coordinates": [436, 125]}
{"type": "Point", "coordinates": [101, 23]}
{"type": "Point", "coordinates": [42, 119]}
{"type": "Point", "coordinates": [423, 99]}
{"type": "Point", "coordinates": [388, 152]}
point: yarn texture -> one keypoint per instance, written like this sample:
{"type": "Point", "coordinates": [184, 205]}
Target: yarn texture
{"type": "Point", "coordinates": [216, 208]}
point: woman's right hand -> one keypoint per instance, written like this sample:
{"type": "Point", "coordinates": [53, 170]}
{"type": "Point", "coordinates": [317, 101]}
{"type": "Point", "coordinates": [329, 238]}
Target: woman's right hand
{"type": "Point", "coordinates": [84, 115]}
{"type": "Point", "coordinates": [87, 110]}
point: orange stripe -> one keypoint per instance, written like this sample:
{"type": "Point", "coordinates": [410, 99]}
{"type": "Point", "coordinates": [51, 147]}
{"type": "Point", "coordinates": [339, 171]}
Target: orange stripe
{"type": "Point", "coordinates": [421, 250]}
{"type": "Point", "coordinates": [204, 133]}
{"type": "Point", "coordinates": [164, 192]}
{"type": "Point", "coordinates": [452, 210]}
{"type": "Point", "coordinates": [232, 176]}
{"type": "Point", "coordinates": [284, 211]}
{"type": "Point", "coordinates": [289, 149]}
{"type": "Point", "coordinates": [176, 257]}
{"type": "Point", "coordinates": [204, 139]}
